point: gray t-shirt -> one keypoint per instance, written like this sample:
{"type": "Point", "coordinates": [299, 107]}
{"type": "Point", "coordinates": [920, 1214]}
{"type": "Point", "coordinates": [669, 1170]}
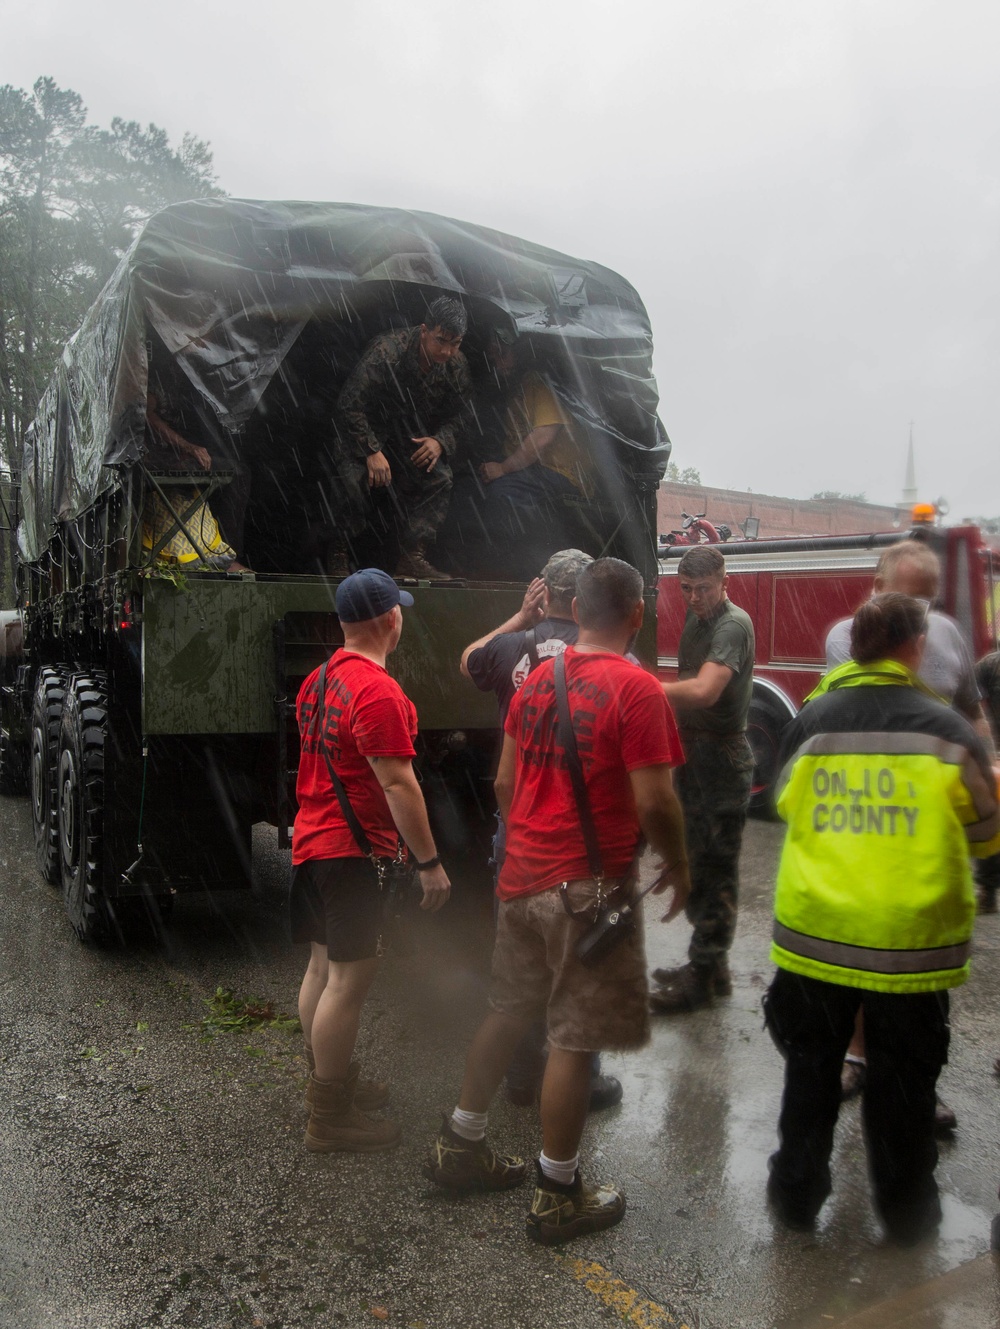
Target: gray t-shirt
{"type": "Point", "coordinates": [946, 667]}
{"type": "Point", "coordinates": [727, 639]}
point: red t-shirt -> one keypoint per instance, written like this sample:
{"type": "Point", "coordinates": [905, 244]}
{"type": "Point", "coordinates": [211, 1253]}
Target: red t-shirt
{"type": "Point", "coordinates": [622, 723]}
{"type": "Point", "coordinates": [367, 715]}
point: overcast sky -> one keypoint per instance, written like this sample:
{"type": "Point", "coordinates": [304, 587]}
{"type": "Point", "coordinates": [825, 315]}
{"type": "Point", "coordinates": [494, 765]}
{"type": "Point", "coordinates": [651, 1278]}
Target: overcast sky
{"type": "Point", "coordinates": [806, 196]}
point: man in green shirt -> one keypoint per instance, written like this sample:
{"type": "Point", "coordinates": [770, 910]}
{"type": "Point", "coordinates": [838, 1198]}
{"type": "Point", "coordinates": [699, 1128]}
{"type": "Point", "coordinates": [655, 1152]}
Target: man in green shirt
{"type": "Point", "coordinates": [711, 699]}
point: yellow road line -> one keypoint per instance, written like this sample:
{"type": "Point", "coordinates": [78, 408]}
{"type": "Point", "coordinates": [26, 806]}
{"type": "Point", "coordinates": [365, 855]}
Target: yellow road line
{"type": "Point", "coordinates": [617, 1295]}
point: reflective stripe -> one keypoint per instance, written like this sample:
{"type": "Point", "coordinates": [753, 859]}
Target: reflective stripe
{"type": "Point", "coordinates": [868, 958]}
{"type": "Point", "coordinates": [891, 744]}
{"type": "Point", "coordinates": [785, 775]}
{"type": "Point", "coordinates": [875, 743]}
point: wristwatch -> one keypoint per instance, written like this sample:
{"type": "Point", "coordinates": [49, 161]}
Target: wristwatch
{"type": "Point", "coordinates": [431, 863]}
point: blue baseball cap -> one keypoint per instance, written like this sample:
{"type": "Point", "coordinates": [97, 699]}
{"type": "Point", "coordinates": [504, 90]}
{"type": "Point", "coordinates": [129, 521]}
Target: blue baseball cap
{"type": "Point", "coordinates": [368, 594]}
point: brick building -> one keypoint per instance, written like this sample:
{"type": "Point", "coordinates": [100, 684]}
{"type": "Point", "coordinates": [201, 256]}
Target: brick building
{"type": "Point", "coordinates": [778, 516]}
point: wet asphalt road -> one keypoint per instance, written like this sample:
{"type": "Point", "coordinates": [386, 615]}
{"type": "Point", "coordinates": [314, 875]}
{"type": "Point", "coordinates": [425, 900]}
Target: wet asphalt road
{"type": "Point", "coordinates": [153, 1175]}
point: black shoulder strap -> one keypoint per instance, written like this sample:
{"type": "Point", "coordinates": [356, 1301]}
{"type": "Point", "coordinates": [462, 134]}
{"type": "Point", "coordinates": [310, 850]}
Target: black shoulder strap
{"type": "Point", "coordinates": [568, 739]}
{"type": "Point", "coordinates": [531, 641]}
{"type": "Point", "coordinates": [350, 816]}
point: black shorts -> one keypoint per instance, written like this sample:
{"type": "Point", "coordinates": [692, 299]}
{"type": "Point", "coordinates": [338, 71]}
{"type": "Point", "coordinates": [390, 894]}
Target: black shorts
{"type": "Point", "coordinates": [337, 903]}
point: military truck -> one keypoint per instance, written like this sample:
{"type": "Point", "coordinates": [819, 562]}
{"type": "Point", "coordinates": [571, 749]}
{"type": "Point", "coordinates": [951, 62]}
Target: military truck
{"type": "Point", "coordinates": [147, 706]}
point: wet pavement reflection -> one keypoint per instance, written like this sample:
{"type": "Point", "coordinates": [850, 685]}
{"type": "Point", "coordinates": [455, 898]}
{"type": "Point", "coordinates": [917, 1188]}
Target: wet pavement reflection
{"type": "Point", "coordinates": [154, 1174]}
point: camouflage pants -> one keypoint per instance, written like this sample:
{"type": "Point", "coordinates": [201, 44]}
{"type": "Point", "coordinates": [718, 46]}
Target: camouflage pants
{"type": "Point", "coordinates": [714, 787]}
{"type": "Point", "coordinates": [413, 506]}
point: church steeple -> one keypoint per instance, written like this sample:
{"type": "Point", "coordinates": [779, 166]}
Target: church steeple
{"type": "Point", "coordinates": [910, 478]}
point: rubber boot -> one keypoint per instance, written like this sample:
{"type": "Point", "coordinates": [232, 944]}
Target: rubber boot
{"type": "Point", "coordinates": [335, 1124]}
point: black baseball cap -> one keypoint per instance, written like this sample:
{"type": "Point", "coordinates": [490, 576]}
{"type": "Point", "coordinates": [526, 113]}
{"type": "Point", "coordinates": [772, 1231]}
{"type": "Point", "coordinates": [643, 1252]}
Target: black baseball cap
{"type": "Point", "coordinates": [368, 594]}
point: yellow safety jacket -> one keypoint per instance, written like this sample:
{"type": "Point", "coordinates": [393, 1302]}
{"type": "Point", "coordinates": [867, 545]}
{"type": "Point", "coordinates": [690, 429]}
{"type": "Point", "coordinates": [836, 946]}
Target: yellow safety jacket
{"type": "Point", "coordinates": [885, 790]}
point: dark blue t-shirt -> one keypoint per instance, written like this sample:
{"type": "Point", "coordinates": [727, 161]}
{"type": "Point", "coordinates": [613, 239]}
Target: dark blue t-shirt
{"type": "Point", "coordinates": [502, 665]}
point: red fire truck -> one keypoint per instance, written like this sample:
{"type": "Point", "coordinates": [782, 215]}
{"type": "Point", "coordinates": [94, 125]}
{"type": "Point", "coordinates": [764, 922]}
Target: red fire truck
{"type": "Point", "coordinates": [794, 589]}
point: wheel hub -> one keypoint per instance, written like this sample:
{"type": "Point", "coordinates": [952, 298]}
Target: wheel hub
{"type": "Point", "coordinates": [68, 837]}
{"type": "Point", "coordinates": [38, 765]}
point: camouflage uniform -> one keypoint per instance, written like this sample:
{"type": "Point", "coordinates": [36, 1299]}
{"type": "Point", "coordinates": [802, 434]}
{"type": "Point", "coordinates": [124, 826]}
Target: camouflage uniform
{"type": "Point", "coordinates": [387, 402]}
{"type": "Point", "coordinates": [714, 788]}
{"type": "Point", "coordinates": [715, 781]}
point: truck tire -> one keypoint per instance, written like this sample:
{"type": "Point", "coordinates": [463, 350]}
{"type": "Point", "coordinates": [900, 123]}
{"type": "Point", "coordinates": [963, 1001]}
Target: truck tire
{"type": "Point", "coordinates": [81, 806]}
{"type": "Point", "coordinates": [43, 758]}
{"type": "Point", "coordinates": [765, 725]}
{"type": "Point", "coordinates": [13, 764]}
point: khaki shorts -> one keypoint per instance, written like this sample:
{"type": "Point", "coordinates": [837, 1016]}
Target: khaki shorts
{"type": "Point", "coordinates": [536, 975]}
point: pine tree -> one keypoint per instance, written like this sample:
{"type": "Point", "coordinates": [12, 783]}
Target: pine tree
{"type": "Point", "coordinates": [72, 197]}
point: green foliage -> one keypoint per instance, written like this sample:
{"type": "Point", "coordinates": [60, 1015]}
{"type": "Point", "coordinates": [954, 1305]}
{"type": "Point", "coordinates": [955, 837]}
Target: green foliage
{"type": "Point", "coordinates": [229, 1013]}
{"type": "Point", "coordinates": [72, 197]}
{"type": "Point", "coordinates": [835, 495]}
{"type": "Point", "coordinates": [161, 570]}
{"type": "Point", "coordinates": [989, 525]}
{"type": "Point", "coordinates": [689, 476]}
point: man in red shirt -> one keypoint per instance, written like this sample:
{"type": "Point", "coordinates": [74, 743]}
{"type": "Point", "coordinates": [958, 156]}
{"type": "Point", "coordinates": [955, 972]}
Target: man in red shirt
{"type": "Point", "coordinates": [356, 721]}
{"type": "Point", "coordinates": [627, 744]}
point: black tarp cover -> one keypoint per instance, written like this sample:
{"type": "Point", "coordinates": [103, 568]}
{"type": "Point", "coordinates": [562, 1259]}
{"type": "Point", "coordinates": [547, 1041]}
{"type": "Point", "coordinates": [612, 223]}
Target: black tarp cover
{"type": "Point", "coordinates": [227, 285]}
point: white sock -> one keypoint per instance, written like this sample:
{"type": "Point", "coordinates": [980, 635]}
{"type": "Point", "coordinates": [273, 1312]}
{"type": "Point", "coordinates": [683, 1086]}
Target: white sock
{"type": "Point", "coordinates": [564, 1173]}
{"type": "Point", "coordinates": [854, 1059]}
{"type": "Point", "coordinates": [469, 1125]}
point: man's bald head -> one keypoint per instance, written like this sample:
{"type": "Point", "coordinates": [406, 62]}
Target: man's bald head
{"type": "Point", "coordinates": [909, 568]}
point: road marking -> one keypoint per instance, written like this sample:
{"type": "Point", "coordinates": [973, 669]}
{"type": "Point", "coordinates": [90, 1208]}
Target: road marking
{"type": "Point", "coordinates": [617, 1295]}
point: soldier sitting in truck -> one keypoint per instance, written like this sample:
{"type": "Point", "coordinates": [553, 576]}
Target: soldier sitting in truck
{"type": "Point", "coordinates": [197, 538]}
{"type": "Point", "coordinates": [401, 412]}
{"type": "Point", "coordinates": [510, 511]}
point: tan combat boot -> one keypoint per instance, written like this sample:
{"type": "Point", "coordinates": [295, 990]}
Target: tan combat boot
{"type": "Point", "coordinates": [369, 1095]}
{"type": "Point", "coordinates": [336, 1124]}
{"type": "Point", "coordinates": [415, 563]}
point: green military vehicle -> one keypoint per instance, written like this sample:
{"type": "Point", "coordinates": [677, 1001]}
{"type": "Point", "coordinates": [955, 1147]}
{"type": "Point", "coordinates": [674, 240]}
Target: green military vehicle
{"type": "Point", "coordinates": [147, 706]}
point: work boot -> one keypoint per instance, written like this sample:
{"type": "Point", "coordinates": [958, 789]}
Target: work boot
{"type": "Point", "coordinates": [853, 1074]}
{"type": "Point", "coordinates": [945, 1119]}
{"type": "Point", "coordinates": [722, 978]}
{"type": "Point", "coordinates": [793, 1212]}
{"type": "Point", "coordinates": [337, 565]}
{"type": "Point", "coordinates": [369, 1095]}
{"type": "Point", "coordinates": [336, 1124]}
{"type": "Point", "coordinates": [909, 1224]}
{"type": "Point", "coordinates": [605, 1092]}
{"type": "Point", "coordinates": [415, 563]}
{"type": "Point", "coordinates": [560, 1213]}
{"type": "Point", "coordinates": [459, 1165]}
{"type": "Point", "coordinates": [686, 989]}
{"type": "Point", "coordinates": [520, 1094]}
